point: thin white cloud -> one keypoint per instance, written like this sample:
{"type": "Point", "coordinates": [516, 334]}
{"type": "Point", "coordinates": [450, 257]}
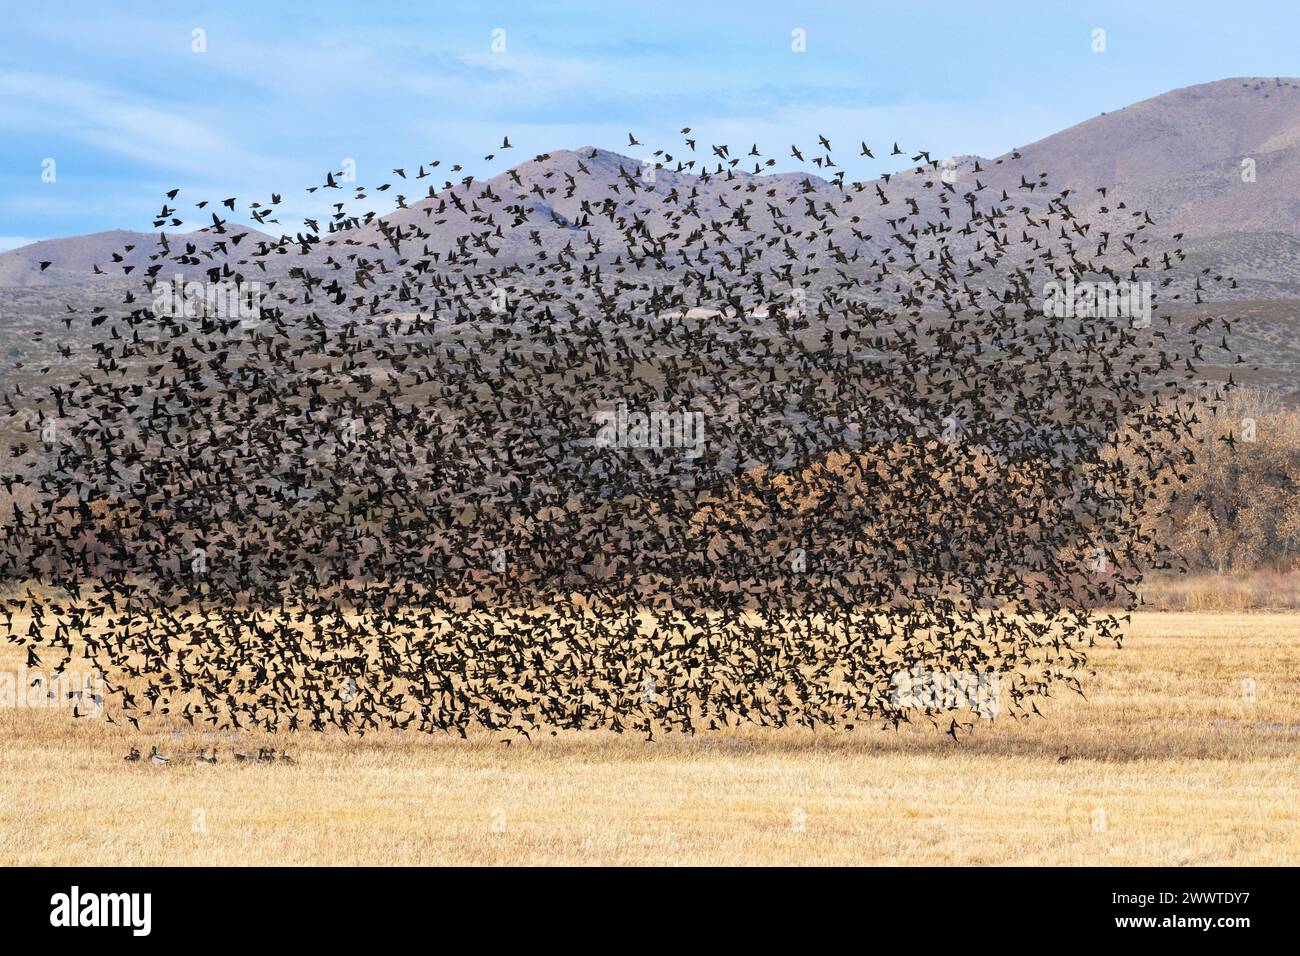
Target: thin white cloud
{"type": "Point", "coordinates": [116, 122]}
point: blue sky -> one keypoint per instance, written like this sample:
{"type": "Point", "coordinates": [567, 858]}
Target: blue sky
{"type": "Point", "coordinates": [116, 95]}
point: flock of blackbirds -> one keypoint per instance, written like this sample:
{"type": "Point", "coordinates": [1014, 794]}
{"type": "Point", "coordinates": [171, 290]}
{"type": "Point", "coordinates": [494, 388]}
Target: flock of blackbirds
{"type": "Point", "coordinates": [441, 479]}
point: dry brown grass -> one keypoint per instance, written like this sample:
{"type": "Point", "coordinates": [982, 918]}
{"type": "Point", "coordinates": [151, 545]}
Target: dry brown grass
{"type": "Point", "coordinates": [1247, 590]}
{"type": "Point", "coordinates": [1169, 764]}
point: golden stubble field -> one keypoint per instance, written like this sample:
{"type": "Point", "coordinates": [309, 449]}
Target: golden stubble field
{"type": "Point", "coordinates": [1170, 762]}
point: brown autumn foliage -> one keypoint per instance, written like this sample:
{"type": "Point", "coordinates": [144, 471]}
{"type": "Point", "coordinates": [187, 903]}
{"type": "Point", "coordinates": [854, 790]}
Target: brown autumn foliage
{"type": "Point", "coordinates": [1240, 508]}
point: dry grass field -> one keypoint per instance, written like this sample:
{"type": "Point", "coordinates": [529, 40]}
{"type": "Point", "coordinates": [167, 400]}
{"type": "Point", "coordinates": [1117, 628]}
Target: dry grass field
{"type": "Point", "coordinates": [1170, 763]}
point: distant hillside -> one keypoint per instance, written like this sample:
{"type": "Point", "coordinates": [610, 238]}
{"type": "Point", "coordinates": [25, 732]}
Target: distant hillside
{"type": "Point", "coordinates": [1177, 156]}
{"type": "Point", "coordinates": [73, 260]}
